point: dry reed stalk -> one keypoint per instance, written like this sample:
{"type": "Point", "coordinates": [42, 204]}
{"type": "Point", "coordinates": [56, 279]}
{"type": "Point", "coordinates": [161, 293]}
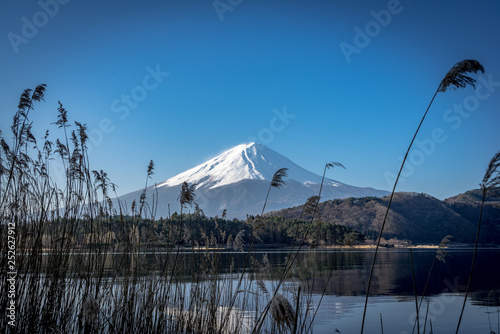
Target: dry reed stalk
{"type": "Point", "coordinates": [457, 78]}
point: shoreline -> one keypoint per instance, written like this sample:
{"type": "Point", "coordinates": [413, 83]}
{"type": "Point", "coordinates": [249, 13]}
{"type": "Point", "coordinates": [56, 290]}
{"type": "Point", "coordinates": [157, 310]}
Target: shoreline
{"type": "Point", "coordinates": [452, 247]}
{"type": "Point", "coordinates": [287, 248]}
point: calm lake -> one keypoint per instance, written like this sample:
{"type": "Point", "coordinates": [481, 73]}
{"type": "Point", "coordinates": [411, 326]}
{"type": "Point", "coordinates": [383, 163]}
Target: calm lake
{"type": "Point", "coordinates": [343, 275]}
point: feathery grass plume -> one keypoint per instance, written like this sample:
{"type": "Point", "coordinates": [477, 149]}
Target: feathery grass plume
{"type": "Point", "coordinates": [310, 206]}
{"type": "Point", "coordinates": [262, 287]}
{"type": "Point", "coordinates": [455, 77]}
{"type": "Point", "coordinates": [187, 194]}
{"type": "Point", "coordinates": [110, 203]}
{"type": "Point", "coordinates": [62, 117]}
{"type": "Point", "coordinates": [239, 242]}
{"type": "Point", "coordinates": [39, 93]}
{"type": "Point", "coordinates": [198, 211]}
{"type": "Point", "coordinates": [134, 204]}
{"type": "Point", "coordinates": [74, 140]}
{"type": "Point", "coordinates": [101, 181]}
{"type": "Point", "coordinates": [30, 138]}
{"type": "Point", "coordinates": [282, 312]}
{"type": "Point", "coordinates": [491, 181]}
{"type": "Point", "coordinates": [19, 130]}
{"type": "Point", "coordinates": [441, 252]}
{"type": "Point", "coordinates": [151, 168]}
{"type": "Point", "coordinates": [142, 199]}
{"type": "Point", "coordinates": [82, 132]}
{"type": "Point", "coordinates": [229, 241]}
{"type": "Point", "coordinates": [27, 99]}
{"type": "Point", "coordinates": [25, 104]}
{"type": "Point", "coordinates": [276, 182]}
{"type": "Point", "coordinates": [258, 227]}
{"type": "Point", "coordinates": [334, 164]}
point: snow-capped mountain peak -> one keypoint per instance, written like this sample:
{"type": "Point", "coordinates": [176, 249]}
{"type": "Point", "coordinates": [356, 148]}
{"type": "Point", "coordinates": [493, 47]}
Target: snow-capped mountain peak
{"type": "Point", "coordinates": [249, 161]}
{"type": "Point", "coordinates": [238, 179]}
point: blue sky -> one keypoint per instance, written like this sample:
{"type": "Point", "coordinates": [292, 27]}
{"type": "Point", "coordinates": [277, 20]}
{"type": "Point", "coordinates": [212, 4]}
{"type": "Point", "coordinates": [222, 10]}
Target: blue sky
{"type": "Point", "coordinates": [232, 71]}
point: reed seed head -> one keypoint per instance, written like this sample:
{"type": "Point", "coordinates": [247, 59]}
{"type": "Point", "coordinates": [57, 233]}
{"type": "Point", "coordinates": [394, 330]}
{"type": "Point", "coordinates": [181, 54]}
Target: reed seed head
{"type": "Point", "coordinates": [282, 312]}
{"type": "Point", "coordinates": [334, 164]}
{"type": "Point", "coordinates": [491, 178]}
{"type": "Point", "coordinates": [39, 93]}
{"type": "Point", "coordinates": [62, 118]}
{"type": "Point", "coordinates": [311, 205]}
{"type": "Point", "coordinates": [187, 194]}
{"type": "Point", "coordinates": [151, 168]}
{"type": "Point", "coordinates": [82, 132]}
{"type": "Point", "coordinates": [457, 77]}
{"type": "Point", "coordinates": [277, 180]}
{"type": "Point", "coordinates": [441, 252]}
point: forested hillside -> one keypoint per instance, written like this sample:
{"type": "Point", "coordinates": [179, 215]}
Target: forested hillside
{"type": "Point", "coordinates": [419, 218]}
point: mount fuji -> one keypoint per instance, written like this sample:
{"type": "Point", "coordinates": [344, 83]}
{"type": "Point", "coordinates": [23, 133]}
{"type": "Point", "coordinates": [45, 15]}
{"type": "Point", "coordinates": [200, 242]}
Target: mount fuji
{"type": "Point", "coordinates": [238, 179]}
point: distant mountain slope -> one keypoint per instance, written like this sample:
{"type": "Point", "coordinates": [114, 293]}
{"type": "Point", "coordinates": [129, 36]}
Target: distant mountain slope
{"type": "Point", "coordinates": [468, 205]}
{"type": "Point", "coordinates": [473, 196]}
{"type": "Point", "coordinates": [417, 217]}
{"type": "Point", "coordinates": [237, 180]}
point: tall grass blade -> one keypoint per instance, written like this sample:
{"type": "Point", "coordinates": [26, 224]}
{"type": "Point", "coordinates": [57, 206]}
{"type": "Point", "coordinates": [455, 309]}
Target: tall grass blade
{"type": "Point", "coordinates": [456, 77]}
{"type": "Point", "coordinates": [491, 181]}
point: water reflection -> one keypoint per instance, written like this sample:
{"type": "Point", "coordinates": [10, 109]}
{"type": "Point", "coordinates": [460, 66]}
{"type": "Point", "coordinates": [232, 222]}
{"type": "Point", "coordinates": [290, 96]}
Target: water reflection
{"type": "Point", "coordinates": [342, 276]}
{"type": "Point", "coordinates": [393, 276]}
{"type": "Point", "coordinates": [339, 273]}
